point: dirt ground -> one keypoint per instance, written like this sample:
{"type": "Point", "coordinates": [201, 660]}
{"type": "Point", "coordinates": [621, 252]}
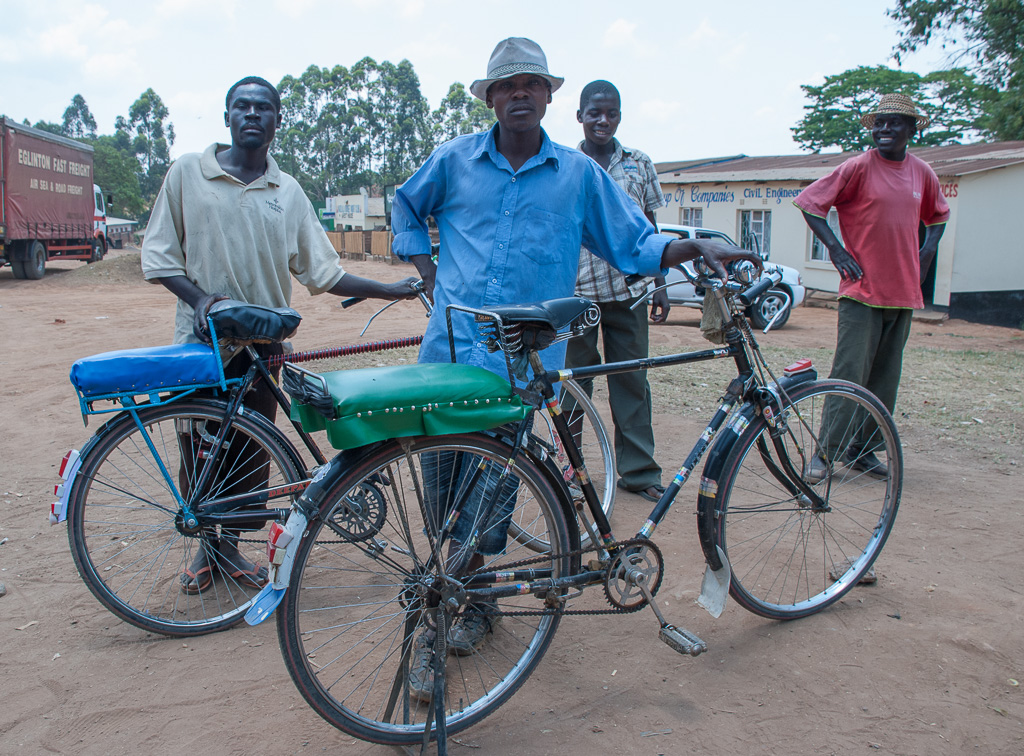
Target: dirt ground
{"type": "Point", "coordinates": [924, 662]}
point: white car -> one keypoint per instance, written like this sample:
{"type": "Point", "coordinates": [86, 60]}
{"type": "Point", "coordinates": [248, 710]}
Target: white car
{"type": "Point", "coordinates": [682, 292]}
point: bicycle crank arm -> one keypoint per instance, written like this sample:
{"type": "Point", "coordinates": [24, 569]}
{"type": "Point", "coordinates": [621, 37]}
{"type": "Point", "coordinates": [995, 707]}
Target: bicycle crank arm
{"type": "Point", "coordinates": [677, 638]}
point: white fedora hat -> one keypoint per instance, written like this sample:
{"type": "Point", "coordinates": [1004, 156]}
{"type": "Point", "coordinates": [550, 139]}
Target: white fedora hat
{"type": "Point", "coordinates": [514, 56]}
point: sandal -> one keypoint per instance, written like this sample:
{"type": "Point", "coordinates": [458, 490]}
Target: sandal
{"type": "Point", "coordinates": [237, 567]}
{"type": "Point", "coordinates": [199, 575]}
{"type": "Point", "coordinates": [643, 492]}
{"type": "Point", "coordinates": [240, 569]}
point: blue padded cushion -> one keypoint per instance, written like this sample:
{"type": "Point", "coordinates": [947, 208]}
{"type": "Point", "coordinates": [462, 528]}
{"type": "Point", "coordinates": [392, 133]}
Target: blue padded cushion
{"type": "Point", "coordinates": [140, 371]}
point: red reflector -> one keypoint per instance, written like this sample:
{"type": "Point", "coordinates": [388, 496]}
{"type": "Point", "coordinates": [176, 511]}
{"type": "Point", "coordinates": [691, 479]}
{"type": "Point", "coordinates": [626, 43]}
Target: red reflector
{"type": "Point", "coordinates": [799, 366]}
{"type": "Point", "coordinates": [64, 462]}
{"type": "Point", "coordinates": [275, 532]}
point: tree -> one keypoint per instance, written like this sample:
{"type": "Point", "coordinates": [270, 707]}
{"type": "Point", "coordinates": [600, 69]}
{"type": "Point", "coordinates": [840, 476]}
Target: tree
{"type": "Point", "coordinates": [402, 133]}
{"type": "Point", "coordinates": [987, 35]}
{"type": "Point", "coordinates": [53, 128]}
{"type": "Point", "coordinates": [117, 171]}
{"type": "Point", "coordinates": [313, 141]}
{"type": "Point", "coordinates": [342, 129]}
{"type": "Point", "coordinates": [152, 136]}
{"type": "Point", "coordinates": [78, 120]}
{"type": "Point", "coordinates": [460, 113]}
{"type": "Point", "coordinates": [952, 99]}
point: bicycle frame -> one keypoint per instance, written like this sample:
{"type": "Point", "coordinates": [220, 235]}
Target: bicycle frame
{"type": "Point", "coordinates": [741, 345]}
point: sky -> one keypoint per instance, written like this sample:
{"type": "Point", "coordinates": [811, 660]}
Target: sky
{"type": "Point", "coordinates": [698, 79]}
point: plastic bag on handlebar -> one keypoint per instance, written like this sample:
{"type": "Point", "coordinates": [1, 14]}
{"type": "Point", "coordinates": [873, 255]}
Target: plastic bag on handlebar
{"type": "Point", "coordinates": [240, 323]}
{"type": "Point", "coordinates": [712, 324]}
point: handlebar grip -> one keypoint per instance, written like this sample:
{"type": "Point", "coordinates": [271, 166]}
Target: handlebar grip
{"type": "Point", "coordinates": [346, 303]}
{"type": "Point", "coordinates": [750, 295]}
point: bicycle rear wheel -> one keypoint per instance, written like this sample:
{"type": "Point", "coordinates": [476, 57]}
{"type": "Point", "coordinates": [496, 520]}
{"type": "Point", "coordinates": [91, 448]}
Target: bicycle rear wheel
{"type": "Point", "coordinates": [359, 597]}
{"type": "Point", "coordinates": [789, 557]}
{"type": "Point", "coordinates": [123, 514]}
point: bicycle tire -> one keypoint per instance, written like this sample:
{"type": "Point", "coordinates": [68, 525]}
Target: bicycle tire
{"type": "Point", "coordinates": [350, 613]}
{"type": "Point", "coordinates": [790, 559]}
{"type": "Point", "coordinates": [594, 444]}
{"type": "Point", "coordinates": [121, 519]}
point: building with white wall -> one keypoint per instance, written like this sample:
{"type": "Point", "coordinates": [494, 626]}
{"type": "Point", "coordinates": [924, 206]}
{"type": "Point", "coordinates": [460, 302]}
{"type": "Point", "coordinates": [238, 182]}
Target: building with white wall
{"type": "Point", "coordinates": [978, 274]}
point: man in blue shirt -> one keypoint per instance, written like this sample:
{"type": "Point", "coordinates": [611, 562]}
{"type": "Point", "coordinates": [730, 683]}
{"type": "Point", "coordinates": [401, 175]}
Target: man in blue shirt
{"type": "Point", "coordinates": [513, 208]}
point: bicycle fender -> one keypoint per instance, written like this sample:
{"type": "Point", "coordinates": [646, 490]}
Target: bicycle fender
{"type": "Point", "coordinates": [272, 593]}
{"type": "Point", "coordinates": [69, 471]}
{"type": "Point", "coordinates": [707, 494]}
{"type": "Point", "coordinates": [714, 589]}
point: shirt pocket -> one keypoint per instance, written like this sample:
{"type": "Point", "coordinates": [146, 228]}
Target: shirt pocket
{"type": "Point", "coordinates": [548, 239]}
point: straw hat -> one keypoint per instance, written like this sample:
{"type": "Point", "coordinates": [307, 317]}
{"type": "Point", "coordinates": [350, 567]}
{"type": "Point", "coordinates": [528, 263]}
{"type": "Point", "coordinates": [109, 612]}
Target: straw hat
{"type": "Point", "coordinates": [514, 56]}
{"type": "Point", "coordinates": [898, 104]}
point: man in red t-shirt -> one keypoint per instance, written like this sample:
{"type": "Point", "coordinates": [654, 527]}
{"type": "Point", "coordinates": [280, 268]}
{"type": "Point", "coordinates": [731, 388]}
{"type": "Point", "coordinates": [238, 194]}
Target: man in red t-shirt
{"type": "Point", "coordinates": [881, 196]}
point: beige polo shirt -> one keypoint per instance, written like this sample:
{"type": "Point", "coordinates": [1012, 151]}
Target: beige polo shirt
{"type": "Point", "coordinates": [243, 240]}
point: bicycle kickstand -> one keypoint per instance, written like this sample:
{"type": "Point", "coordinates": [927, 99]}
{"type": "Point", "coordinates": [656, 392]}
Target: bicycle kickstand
{"type": "Point", "coordinates": [436, 712]}
{"type": "Point", "coordinates": [677, 638]}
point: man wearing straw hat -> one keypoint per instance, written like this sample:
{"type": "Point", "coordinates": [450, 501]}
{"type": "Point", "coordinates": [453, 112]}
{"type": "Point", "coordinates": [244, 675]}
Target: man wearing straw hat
{"type": "Point", "coordinates": [881, 196]}
{"type": "Point", "coordinates": [513, 208]}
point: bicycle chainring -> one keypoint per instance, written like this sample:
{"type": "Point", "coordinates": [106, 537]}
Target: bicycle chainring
{"type": "Point", "coordinates": [640, 561]}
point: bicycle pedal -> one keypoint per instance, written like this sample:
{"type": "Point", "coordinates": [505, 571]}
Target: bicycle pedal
{"type": "Point", "coordinates": [682, 640]}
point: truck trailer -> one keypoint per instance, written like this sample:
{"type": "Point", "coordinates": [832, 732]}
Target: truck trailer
{"type": "Point", "coordinates": [49, 206]}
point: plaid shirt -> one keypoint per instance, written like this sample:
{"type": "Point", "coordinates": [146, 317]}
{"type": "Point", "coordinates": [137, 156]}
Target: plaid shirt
{"type": "Point", "coordinates": [634, 172]}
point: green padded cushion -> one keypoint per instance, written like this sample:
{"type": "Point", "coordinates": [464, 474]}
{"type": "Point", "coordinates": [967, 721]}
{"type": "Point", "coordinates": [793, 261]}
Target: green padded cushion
{"type": "Point", "coordinates": [375, 404]}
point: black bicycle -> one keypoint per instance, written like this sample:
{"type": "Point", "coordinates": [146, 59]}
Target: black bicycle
{"type": "Point", "coordinates": [798, 494]}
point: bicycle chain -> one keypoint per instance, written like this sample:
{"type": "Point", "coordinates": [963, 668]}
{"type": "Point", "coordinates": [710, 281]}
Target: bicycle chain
{"type": "Point", "coordinates": [561, 611]}
{"type": "Point", "coordinates": [637, 541]}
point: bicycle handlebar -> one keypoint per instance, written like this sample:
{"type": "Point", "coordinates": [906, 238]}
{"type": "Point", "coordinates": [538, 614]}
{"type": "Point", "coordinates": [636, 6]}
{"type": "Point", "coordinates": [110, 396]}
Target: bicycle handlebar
{"type": "Point", "coordinates": [418, 287]}
{"type": "Point", "coordinates": [768, 281]}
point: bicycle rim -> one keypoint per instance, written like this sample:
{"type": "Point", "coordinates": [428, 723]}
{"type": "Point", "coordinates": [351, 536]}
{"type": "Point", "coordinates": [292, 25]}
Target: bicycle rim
{"type": "Point", "coordinates": [123, 513]}
{"type": "Point", "coordinates": [355, 607]}
{"type": "Point", "coordinates": [790, 558]}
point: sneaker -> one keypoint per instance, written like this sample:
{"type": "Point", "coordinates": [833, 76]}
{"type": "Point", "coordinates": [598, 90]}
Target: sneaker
{"type": "Point", "coordinates": [421, 673]}
{"type": "Point", "coordinates": [471, 628]}
{"type": "Point", "coordinates": [816, 469]}
{"type": "Point", "coordinates": [866, 463]}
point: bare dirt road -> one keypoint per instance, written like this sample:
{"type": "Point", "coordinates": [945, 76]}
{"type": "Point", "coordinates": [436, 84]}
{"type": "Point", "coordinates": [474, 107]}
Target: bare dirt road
{"type": "Point", "coordinates": [924, 662]}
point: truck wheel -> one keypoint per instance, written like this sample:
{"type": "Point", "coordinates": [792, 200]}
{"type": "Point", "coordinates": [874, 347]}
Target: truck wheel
{"type": "Point", "coordinates": [18, 268]}
{"type": "Point", "coordinates": [35, 265]}
{"type": "Point", "coordinates": [98, 250]}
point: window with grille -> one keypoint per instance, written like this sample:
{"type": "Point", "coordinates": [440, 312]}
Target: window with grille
{"type": "Point", "coordinates": [691, 216]}
{"type": "Point", "coordinates": [819, 252]}
{"type": "Point", "coordinates": [756, 231]}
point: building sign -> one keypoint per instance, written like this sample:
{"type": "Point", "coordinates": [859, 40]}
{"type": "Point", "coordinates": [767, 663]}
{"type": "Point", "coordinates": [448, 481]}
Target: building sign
{"type": "Point", "coordinates": [349, 210]}
{"type": "Point", "coordinates": [694, 195]}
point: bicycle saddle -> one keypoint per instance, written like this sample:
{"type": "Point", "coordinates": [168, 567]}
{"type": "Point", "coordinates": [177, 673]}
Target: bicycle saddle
{"type": "Point", "coordinates": [555, 314]}
{"type": "Point", "coordinates": [241, 323]}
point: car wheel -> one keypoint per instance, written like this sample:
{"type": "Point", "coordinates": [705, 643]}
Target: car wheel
{"type": "Point", "coordinates": [766, 308]}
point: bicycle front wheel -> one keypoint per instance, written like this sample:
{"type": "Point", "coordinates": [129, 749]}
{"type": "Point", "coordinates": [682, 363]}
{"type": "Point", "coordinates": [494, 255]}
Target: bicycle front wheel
{"type": "Point", "coordinates": [124, 517]}
{"type": "Point", "coordinates": [358, 607]}
{"type": "Point", "coordinates": [791, 556]}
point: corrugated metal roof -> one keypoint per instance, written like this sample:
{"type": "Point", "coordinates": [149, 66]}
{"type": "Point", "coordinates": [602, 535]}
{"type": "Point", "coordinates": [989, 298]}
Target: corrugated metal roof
{"type": "Point", "coordinates": [952, 160]}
